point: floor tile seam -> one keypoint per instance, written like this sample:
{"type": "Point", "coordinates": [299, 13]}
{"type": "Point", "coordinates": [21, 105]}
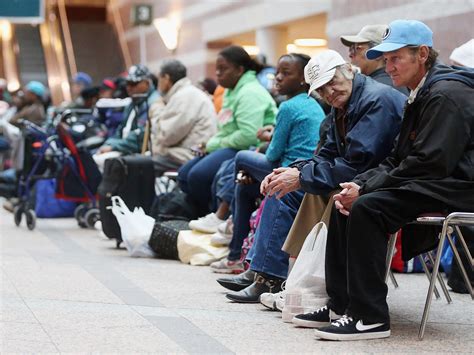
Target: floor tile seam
{"type": "Point", "coordinates": [73, 301]}
{"type": "Point", "coordinates": [42, 327]}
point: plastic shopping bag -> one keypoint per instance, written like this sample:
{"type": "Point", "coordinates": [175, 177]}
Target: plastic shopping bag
{"type": "Point", "coordinates": [306, 284]}
{"type": "Point", "coordinates": [136, 228]}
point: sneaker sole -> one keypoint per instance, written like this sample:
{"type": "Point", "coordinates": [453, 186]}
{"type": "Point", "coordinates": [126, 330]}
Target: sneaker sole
{"type": "Point", "coordinates": [228, 271]}
{"type": "Point", "coordinates": [236, 300]}
{"type": "Point", "coordinates": [361, 336]}
{"type": "Point", "coordinates": [272, 308]}
{"type": "Point", "coordinates": [308, 323]}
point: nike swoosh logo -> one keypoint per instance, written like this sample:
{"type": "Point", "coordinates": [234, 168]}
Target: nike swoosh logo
{"type": "Point", "coordinates": [361, 327]}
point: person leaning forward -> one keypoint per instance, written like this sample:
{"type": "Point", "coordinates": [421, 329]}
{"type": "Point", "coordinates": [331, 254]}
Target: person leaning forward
{"type": "Point", "coordinates": [365, 120]}
{"type": "Point", "coordinates": [431, 169]}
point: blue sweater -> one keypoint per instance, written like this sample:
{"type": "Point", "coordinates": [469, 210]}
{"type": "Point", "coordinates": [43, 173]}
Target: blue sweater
{"type": "Point", "coordinates": [296, 132]}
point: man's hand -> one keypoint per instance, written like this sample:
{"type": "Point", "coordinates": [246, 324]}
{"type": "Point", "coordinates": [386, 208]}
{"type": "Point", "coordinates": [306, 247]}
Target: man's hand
{"type": "Point", "coordinates": [283, 181]}
{"type": "Point", "coordinates": [265, 133]}
{"type": "Point", "coordinates": [104, 149]}
{"type": "Point", "coordinates": [344, 199]}
{"type": "Point", "coordinates": [265, 182]}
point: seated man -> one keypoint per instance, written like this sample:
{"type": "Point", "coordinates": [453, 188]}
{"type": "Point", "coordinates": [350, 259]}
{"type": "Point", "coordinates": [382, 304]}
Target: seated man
{"type": "Point", "coordinates": [32, 110]}
{"type": "Point", "coordinates": [184, 118]}
{"type": "Point", "coordinates": [128, 138]}
{"type": "Point", "coordinates": [430, 170]}
{"type": "Point", "coordinates": [365, 119]}
{"type": "Point", "coordinates": [368, 37]}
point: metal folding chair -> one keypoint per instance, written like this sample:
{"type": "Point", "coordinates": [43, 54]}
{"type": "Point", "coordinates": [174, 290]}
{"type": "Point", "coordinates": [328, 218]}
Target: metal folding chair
{"type": "Point", "coordinates": [449, 224]}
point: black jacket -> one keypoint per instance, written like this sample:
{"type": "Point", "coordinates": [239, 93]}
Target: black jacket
{"type": "Point", "coordinates": [434, 154]}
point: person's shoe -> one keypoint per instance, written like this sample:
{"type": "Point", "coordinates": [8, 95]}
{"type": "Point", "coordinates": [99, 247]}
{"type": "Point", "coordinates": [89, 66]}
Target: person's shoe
{"type": "Point", "coordinates": [273, 301]}
{"type": "Point", "coordinates": [206, 224]}
{"type": "Point", "coordinates": [319, 318]}
{"type": "Point", "coordinates": [221, 239]}
{"type": "Point", "coordinates": [239, 282]}
{"type": "Point", "coordinates": [225, 266]}
{"type": "Point", "coordinates": [348, 328]}
{"type": "Point", "coordinates": [10, 204]}
{"type": "Point", "coordinates": [226, 227]}
{"type": "Point", "coordinates": [251, 294]}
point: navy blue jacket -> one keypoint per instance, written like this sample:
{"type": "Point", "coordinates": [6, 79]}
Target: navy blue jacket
{"type": "Point", "coordinates": [373, 121]}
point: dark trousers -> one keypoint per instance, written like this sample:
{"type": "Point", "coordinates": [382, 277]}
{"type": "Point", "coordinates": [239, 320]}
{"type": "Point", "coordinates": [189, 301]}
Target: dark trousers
{"type": "Point", "coordinates": [196, 176]}
{"type": "Point", "coordinates": [357, 246]}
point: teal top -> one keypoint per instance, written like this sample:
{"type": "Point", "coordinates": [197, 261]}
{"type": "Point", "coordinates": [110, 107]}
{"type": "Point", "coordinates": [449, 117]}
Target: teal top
{"type": "Point", "coordinates": [246, 108]}
{"type": "Point", "coordinates": [296, 132]}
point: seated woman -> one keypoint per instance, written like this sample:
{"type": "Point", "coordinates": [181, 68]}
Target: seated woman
{"type": "Point", "coordinates": [295, 136]}
{"type": "Point", "coordinates": [247, 106]}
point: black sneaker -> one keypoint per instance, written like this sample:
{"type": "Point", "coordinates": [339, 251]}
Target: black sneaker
{"type": "Point", "coordinates": [348, 328]}
{"type": "Point", "coordinates": [319, 318]}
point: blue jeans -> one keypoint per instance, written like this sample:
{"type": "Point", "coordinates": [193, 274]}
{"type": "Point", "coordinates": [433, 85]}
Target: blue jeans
{"type": "Point", "coordinates": [4, 145]}
{"type": "Point", "coordinates": [257, 166]}
{"type": "Point", "coordinates": [275, 223]}
{"type": "Point", "coordinates": [223, 185]}
{"type": "Point", "coordinates": [196, 176]}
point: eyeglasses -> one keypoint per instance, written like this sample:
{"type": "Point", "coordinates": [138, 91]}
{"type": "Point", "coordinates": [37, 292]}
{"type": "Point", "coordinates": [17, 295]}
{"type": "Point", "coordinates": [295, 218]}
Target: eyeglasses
{"type": "Point", "coordinates": [353, 48]}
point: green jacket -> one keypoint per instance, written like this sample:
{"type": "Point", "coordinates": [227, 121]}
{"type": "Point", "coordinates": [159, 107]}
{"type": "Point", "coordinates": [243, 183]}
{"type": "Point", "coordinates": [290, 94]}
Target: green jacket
{"type": "Point", "coordinates": [245, 109]}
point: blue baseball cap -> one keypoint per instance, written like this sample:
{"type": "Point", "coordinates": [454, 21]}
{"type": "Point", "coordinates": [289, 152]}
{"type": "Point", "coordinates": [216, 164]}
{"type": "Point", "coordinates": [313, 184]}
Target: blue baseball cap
{"type": "Point", "coordinates": [36, 88]}
{"type": "Point", "coordinates": [402, 33]}
{"type": "Point", "coordinates": [82, 78]}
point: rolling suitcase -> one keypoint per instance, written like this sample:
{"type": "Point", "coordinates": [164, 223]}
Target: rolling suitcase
{"type": "Point", "coordinates": [133, 179]}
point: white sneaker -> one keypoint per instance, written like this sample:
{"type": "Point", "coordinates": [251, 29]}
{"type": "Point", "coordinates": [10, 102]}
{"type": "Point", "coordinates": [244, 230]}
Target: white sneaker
{"type": "Point", "coordinates": [221, 239]}
{"type": "Point", "coordinates": [206, 224]}
{"type": "Point", "coordinates": [225, 266]}
{"type": "Point", "coordinates": [226, 227]}
{"type": "Point", "coordinates": [273, 301]}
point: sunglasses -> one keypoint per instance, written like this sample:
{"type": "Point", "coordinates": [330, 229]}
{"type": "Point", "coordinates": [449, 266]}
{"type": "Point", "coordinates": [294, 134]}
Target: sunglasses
{"type": "Point", "coordinates": [353, 48]}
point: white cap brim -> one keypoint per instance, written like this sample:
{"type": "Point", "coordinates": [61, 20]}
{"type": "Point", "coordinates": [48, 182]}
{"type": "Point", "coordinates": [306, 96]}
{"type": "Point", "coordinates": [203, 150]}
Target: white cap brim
{"type": "Point", "coordinates": [322, 79]}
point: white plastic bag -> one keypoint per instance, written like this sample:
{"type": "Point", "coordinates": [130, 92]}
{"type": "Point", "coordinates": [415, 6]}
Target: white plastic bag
{"type": "Point", "coordinates": [136, 228]}
{"type": "Point", "coordinates": [306, 285]}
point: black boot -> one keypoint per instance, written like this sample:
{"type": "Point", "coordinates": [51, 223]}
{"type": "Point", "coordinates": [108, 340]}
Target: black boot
{"type": "Point", "coordinates": [239, 282]}
{"type": "Point", "coordinates": [263, 283]}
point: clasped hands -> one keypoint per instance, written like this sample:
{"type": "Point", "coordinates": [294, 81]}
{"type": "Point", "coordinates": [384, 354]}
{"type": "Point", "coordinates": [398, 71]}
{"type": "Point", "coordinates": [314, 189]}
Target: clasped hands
{"type": "Point", "coordinates": [280, 182]}
{"type": "Point", "coordinates": [343, 200]}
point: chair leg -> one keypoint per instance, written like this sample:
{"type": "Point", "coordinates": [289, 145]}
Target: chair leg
{"type": "Point", "coordinates": [460, 264]}
{"type": "Point", "coordinates": [441, 281]}
{"type": "Point", "coordinates": [388, 261]}
{"type": "Point", "coordinates": [464, 245]}
{"type": "Point", "coordinates": [394, 280]}
{"type": "Point", "coordinates": [434, 276]}
{"type": "Point", "coordinates": [428, 274]}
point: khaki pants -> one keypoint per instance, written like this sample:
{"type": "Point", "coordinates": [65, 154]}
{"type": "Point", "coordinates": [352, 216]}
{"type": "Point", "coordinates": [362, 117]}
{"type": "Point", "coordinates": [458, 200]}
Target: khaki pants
{"type": "Point", "coordinates": [313, 209]}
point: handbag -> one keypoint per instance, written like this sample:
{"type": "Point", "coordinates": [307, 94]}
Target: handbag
{"type": "Point", "coordinates": [164, 238]}
{"type": "Point", "coordinates": [47, 205]}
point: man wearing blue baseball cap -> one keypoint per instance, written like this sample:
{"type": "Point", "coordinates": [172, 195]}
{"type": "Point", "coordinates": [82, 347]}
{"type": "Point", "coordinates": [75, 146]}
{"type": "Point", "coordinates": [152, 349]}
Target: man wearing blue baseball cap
{"type": "Point", "coordinates": [431, 169]}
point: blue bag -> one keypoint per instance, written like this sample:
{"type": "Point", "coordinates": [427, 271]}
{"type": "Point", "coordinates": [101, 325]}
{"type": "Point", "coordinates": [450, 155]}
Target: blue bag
{"type": "Point", "coordinates": [48, 206]}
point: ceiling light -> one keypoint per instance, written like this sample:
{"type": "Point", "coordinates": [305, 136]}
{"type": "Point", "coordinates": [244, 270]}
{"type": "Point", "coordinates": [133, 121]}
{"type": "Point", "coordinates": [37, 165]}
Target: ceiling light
{"type": "Point", "coordinates": [168, 30]}
{"type": "Point", "coordinates": [310, 42]}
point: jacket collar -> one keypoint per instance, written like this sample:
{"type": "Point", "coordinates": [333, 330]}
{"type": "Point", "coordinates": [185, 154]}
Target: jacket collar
{"type": "Point", "coordinates": [246, 77]}
{"type": "Point", "coordinates": [175, 88]}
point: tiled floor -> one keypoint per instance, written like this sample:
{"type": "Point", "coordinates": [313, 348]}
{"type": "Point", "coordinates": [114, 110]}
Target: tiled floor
{"type": "Point", "coordinates": [65, 289]}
